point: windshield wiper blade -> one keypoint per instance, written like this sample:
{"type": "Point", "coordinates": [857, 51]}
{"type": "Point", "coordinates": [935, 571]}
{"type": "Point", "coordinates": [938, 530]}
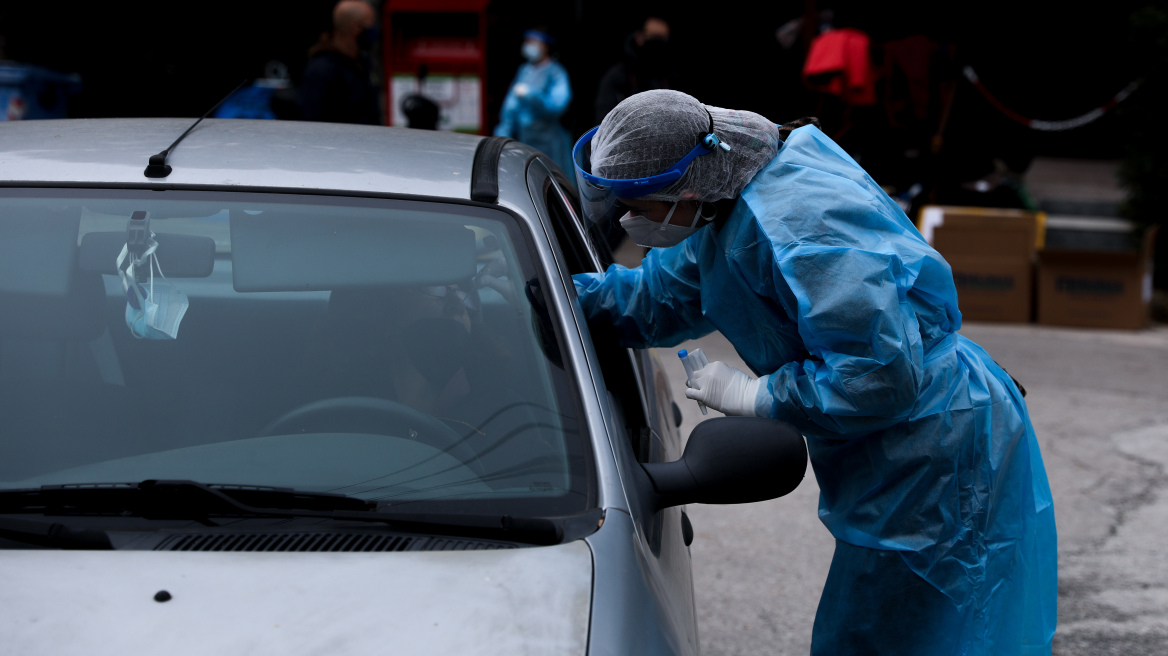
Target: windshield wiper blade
{"type": "Point", "coordinates": [170, 499]}
{"type": "Point", "coordinates": [162, 499]}
{"type": "Point", "coordinates": [55, 535]}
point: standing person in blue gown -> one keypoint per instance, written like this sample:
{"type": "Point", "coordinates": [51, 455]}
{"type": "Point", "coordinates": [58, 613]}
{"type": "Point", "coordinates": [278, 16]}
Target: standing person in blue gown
{"type": "Point", "coordinates": [538, 97]}
{"type": "Point", "coordinates": [930, 474]}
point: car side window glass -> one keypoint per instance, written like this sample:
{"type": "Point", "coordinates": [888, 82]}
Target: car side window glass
{"type": "Point", "coordinates": [598, 241]}
{"type": "Point", "coordinates": [616, 362]}
{"type": "Point", "coordinates": [580, 259]}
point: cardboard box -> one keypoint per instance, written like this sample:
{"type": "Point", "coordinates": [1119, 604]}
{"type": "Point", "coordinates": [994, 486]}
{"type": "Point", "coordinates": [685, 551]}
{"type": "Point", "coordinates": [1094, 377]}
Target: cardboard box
{"type": "Point", "coordinates": [991, 252]}
{"type": "Point", "coordinates": [1096, 289]}
{"type": "Point", "coordinates": [993, 288]}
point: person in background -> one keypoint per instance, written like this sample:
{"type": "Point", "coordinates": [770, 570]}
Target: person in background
{"type": "Point", "coordinates": [421, 112]}
{"type": "Point", "coordinates": [336, 87]}
{"type": "Point", "coordinates": [538, 97]}
{"type": "Point", "coordinates": [929, 471]}
{"type": "Point", "coordinates": [646, 64]}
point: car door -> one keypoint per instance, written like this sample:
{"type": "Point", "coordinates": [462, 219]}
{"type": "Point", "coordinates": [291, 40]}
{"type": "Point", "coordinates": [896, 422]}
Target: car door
{"type": "Point", "coordinates": [638, 384]}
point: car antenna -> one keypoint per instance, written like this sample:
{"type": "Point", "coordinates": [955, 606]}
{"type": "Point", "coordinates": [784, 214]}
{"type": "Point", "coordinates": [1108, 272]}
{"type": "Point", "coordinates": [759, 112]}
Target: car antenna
{"type": "Point", "coordinates": [158, 168]}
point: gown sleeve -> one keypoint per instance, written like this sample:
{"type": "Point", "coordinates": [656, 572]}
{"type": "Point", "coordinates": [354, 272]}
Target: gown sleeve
{"type": "Point", "coordinates": [655, 304]}
{"type": "Point", "coordinates": [551, 101]}
{"type": "Point", "coordinates": [855, 321]}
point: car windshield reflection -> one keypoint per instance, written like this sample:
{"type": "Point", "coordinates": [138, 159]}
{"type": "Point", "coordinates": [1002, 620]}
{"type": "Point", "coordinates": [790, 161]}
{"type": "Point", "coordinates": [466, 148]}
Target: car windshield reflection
{"type": "Point", "coordinates": [388, 350]}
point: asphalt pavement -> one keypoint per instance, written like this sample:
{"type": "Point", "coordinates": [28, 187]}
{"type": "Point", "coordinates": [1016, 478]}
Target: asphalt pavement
{"type": "Point", "coordinates": [1099, 403]}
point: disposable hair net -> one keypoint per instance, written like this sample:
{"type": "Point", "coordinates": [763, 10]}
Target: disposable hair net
{"type": "Point", "coordinates": [650, 131]}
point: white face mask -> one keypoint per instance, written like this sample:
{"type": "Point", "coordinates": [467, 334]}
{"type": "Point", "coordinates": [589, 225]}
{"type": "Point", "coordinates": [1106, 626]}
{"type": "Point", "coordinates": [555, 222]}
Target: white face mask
{"type": "Point", "coordinates": [162, 309]}
{"type": "Point", "coordinates": [532, 52]}
{"type": "Point", "coordinates": [153, 311]}
{"type": "Point", "coordinates": [651, 234]}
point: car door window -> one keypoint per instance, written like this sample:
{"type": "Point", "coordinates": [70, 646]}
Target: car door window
{"type": "Point", "coordinates": [596, 241]}
{"type": "Point", "coordinates": [581, 258]}
{"type": "Point", "coordinates": [656, 395]}
{"type": "Point", "coordinates": [623, 369]}
{"type": "Point", "coordinates": [632, 376]}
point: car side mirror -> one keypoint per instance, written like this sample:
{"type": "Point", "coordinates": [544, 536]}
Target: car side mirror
{"type": "Point", "coordinates": [730, 460]}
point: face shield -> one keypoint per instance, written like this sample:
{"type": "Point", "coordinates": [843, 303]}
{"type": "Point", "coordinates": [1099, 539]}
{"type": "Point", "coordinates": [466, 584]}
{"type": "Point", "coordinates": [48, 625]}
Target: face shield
{"type": "Point", "coordinates": [599, 197]}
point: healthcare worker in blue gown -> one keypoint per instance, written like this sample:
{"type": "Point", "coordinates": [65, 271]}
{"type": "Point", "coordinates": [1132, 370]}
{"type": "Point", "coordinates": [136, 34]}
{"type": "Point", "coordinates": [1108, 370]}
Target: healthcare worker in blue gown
{"type": "Point", "coordinates": [930, 475]}
{"type": "Point", "coordinates": [538, 97]}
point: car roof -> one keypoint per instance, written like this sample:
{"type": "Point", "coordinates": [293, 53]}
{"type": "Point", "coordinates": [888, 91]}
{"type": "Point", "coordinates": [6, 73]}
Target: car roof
{"type": "Point", "coordinates": [288, 155]}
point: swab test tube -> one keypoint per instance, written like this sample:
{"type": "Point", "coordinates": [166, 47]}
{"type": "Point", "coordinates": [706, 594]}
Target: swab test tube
{"type": "Point", "coordinates": [692, 361]}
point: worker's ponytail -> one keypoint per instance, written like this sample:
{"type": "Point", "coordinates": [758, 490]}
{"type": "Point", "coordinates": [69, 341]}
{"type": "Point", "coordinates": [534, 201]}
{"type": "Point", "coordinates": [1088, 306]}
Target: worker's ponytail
{"type": "Point", "coordinates": [785, 129]}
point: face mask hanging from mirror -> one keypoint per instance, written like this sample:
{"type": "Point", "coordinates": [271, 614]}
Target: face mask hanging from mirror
{"type": "Point", "coordinates": [154, 310]}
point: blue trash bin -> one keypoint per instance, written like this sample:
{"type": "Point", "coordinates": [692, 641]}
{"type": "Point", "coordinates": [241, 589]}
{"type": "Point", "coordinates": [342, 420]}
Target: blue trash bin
{"type": "Point", "coordinates": [252, 101]}
{"type": "Point", "coordinates": [31, 92]}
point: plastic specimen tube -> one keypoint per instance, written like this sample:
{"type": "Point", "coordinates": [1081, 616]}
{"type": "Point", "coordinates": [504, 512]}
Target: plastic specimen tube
{"type": "Point", "coordinates": [692, 361]}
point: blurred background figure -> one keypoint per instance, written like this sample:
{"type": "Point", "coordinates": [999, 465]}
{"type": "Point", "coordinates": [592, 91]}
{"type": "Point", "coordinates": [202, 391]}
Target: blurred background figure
{"type": "Point", "coordinates": [421, 112]}
{"type": "Point", "coordinates": [31, 92]}
{"type": "Point", "coordinates": [336, 86]}
{"type": "Point", "coordinates": [647, 63]}
{"type": "Point", "coordinates": [269, 97]}
{"type": "Point", "coordinates": [538, 97]}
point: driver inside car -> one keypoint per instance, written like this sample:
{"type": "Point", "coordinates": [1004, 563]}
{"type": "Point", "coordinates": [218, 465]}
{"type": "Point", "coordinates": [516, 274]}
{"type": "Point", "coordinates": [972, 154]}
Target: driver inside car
{"type": "Point", "coordinates": [427, 347]}
{"type": "Point", "coordinates": [407, 344]}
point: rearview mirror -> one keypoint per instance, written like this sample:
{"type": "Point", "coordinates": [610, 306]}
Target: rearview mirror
{"type": "Point", "coordinates": [180, 256]}
{"type": "Point", "coordinates": [731, 460]}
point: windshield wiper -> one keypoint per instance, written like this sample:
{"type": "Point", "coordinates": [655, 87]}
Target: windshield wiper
{"type": "Point", "coordinates": [161, 499]}
{"type": "Point", "coordinates": [55, 535]}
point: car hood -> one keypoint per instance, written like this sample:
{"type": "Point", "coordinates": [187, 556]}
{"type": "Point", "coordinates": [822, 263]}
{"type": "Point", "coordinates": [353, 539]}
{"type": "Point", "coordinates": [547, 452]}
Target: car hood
{"type": "Point", "coordinates": [514, 601]}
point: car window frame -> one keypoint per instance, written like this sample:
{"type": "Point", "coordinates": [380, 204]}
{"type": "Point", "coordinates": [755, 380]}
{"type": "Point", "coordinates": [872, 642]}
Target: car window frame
{"type": "Point", "coordinates": [649, 444]}
{"type": "Point", "coordinates": [656, 421]}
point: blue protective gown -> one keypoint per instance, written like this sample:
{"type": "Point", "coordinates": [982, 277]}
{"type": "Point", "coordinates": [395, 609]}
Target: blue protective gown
{"type": "Point", "coordinates": [535, 118]}
{"type": "Point", "coordinates": [930, 475]}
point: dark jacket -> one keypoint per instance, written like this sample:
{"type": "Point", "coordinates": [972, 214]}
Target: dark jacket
{"type": "Point", "coordinates": [336, 89]}
{"type": "Point", "coordinates": [644, 67]}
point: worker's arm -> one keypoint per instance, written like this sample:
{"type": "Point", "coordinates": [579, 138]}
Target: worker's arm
{"type": "Point", "coordinates": [655, 304]}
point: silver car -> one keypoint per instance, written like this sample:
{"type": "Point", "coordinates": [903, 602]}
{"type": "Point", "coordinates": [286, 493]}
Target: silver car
{"type": "Point", "coordinates": [308, 388]}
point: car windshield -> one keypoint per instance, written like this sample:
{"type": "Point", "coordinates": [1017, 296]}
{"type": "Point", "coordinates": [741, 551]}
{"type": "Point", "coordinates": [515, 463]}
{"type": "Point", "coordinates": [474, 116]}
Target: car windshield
{"type": "Point", "coordinates": [391, 350]}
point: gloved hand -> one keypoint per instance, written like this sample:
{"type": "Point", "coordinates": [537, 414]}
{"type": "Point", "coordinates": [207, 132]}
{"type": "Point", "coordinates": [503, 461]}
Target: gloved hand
{"type": "Point", "coordinates": [725, 389]}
